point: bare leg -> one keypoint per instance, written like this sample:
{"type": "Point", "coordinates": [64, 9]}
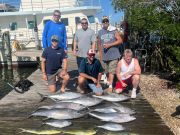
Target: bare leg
{"type": "Point", "coordinates": [135, 81]}
{"type": "Point", "coordinates": [110, 79]}
{"type": "Point", "coordinates": [64, 83]}
{"type": "Point", "coordinates": [81, 81]}
{"type": "Point", "coordinates": [52, 88]}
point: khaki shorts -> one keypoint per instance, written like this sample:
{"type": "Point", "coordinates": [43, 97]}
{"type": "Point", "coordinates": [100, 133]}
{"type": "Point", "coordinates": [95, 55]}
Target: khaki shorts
{"type": "Point", "coordinates": [52, 78]}
{"type": "Point", "coordinates": [110, 66]}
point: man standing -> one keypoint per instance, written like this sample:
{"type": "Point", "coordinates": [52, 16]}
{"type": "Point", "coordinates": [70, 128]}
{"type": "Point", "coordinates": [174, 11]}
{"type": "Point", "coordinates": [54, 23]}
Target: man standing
{"type": "Point", "coordinates": [55, 27]}
{"type": "Point", "coordinates": [84, 40]}
{"type": "Point", "coordinates": [128, 73]}
{"type": "Point", "coordinates": [51, 65]}
{"type": "Point", "coordinates": [108, 41]}
{"type": "Point", "coordinates": [90, 71]}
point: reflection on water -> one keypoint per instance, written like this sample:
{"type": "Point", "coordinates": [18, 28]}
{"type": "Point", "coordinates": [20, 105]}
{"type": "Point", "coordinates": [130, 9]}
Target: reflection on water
{"type": "Point", "coordinates": [12, 76]}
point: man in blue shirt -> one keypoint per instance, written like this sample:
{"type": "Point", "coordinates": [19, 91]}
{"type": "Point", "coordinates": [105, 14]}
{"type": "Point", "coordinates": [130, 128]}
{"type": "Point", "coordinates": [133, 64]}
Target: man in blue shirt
{"type": "Point", "coordinates": [51, 65]}
{"type": "Point", "coordinates": [55, 27]}
{"type": "Point", "coordinates": [90, 71]}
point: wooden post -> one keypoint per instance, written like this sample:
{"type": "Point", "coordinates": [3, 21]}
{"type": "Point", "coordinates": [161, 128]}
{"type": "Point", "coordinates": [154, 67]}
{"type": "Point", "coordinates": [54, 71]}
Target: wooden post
{"type": "Point", "coordinates": [37, 43]}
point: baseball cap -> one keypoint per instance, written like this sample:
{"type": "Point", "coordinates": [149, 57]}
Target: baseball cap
{"type": "Point", "coordinates": [105, 19]}
{"type": "Point", "coordinates": [91, 51]}
{"type": "Point", "coordinates": [54, 37]}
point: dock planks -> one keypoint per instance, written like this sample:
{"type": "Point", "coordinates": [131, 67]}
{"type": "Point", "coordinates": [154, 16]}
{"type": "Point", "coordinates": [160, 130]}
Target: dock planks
{"type": "Point", "coordinates": [15, 108]}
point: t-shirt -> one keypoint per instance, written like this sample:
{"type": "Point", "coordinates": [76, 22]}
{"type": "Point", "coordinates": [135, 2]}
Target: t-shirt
{"type": "Point", "coordinates": [91, 69]}
{"type": "Point", "coordinates": [84, 39]}
{"type": "Point", "coordinates": [54, 58]}
{"type": "Point", "coordinates": [107, 37]}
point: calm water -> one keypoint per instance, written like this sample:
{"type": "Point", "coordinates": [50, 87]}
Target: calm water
{"type": "Point", "coordinates": [12, 76]}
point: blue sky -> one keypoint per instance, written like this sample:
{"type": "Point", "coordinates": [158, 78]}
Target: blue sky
{"type": "Point", "coordinates": [108, 9]}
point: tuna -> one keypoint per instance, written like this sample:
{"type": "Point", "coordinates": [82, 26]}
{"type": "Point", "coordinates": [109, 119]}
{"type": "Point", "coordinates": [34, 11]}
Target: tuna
{"type": "Point", "coordinates": [58, 123]}
{"type": "Point", "coordinates": [113, 97]}
{"type": "Point", "coordinates": [112, 127]}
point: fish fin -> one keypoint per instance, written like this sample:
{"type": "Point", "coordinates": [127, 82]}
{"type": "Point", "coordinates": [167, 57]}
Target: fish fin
{"type": "Point", "coordinates": [114, 103]}
{"type": "Point", "coordinates": [22, 130]}
{"type": "Point", "coordinates": [42, 97]}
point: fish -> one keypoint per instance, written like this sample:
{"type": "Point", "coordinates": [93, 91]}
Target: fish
{"type": "Point", "coordinates": [58, 123]}
{"type": "Point", "coordinates": [113, 97]}
{"type": "Point", "coordinates": [60, 114]}
{"type": "Point", "coordinates": [80, 132]}
{"type": "Point", "coordinates": [86, 101]}
{"type": "Point", "coordinates": [40, 132]}
{"type": "Point", "coordinates": [122, 109]}
{"type": "Point", "coordinates": [105, 110]}
{"type": "Point", "coordinates": [112, 127]}
{"type": "Point", "coordinates": [69, 105]}
{"type": "Point", "coordinates": [61, 96]}
{"type": "Point", "coordinates": [112, 117]}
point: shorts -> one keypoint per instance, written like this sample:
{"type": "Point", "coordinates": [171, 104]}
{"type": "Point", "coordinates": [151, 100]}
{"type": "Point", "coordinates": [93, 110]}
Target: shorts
{"type": "Point", "coordinates": [110, 66]}
{"type": "Point", "coordinates": [51, 78]}
{"type": "Point", "coordinates": [93, 87]}
{"type": "Point", "coordinates": [127, 81]}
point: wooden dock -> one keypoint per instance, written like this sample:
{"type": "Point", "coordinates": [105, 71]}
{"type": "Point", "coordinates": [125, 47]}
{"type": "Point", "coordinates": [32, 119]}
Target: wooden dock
{"type": "Point", "coordinates": [16, 107]}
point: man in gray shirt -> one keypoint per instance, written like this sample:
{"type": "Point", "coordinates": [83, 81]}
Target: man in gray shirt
{"type": "Point", "coordinates": [84, 40]}
{"type": "Point", "coordinates": [108, 41]}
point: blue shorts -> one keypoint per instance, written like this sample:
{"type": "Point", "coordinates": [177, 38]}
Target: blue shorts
{"type": "Point", "coordinates": [93, 87]}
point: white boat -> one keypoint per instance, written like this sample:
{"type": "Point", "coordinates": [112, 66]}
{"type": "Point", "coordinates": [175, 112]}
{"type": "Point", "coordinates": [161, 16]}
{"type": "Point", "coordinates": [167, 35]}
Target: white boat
{"type": "Point", "coordinates": [20, 23]}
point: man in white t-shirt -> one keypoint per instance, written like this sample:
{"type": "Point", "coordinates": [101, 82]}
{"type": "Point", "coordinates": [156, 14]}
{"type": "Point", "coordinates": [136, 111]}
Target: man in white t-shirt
{"type": "Point", "coordinates": [128, 73]}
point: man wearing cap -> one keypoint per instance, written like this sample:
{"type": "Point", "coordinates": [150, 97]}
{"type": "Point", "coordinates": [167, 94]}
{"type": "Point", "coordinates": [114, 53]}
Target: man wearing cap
{"type": "Point", "coordinates": [84, 40]}
{"type": "Point", "coordinates": [55, 27]}
{"type": "Point", "coordinates": [51, 65]}
{"type": "Point", "coordinates": [108, 42]}
{"type": "Point", "coordinates": [90, 72]}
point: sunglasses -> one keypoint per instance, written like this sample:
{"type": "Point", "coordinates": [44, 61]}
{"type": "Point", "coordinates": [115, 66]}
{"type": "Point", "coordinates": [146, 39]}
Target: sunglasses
{"type": "Point", "coordinates": [57, 15]}
{"type": "Point", "coordinates": [105, 21]}
{"type": "Point", "coordinates": [54, 40]}
{"type": "Point", "coordinates": [84, 23]}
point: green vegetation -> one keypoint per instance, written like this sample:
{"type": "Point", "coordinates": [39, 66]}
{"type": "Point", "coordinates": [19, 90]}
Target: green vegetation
{"type": "Point", "coordinates": [160, 18]}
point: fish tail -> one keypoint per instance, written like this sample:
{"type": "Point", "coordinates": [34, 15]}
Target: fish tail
{"type": "Point", "coordinates": [42, 97]}
{"type": "Point", "coordinates": [22, 130]}
{"type": "Point", "coordinates": [174, 114]}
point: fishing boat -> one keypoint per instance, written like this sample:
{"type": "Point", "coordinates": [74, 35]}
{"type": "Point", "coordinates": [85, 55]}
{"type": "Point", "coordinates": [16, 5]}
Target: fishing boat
{"type": "Point", "coordinates": [20, 20]}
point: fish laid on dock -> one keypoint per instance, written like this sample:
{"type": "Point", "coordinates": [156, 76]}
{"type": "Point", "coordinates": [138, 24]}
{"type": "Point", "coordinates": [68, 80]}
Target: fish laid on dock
{"type": "Point", "coordinates": [112, 127]}
{"type": "Point", "coordinates": [113, 117]}
{"type": "Point", "coordinates": [68, 105]}
{"type": "Point", "coordinates": [86, 101]}
{"type": "Point", "coordinates": [40, 132]}
{"type": "Point", "coordinates": [58, 123]}
{"type": "Point", "coordinates": [62, 96]}
{"type": "Point", "coordinates": [60, 114]}
{"type": "Point", "coordinates": [113, 97]}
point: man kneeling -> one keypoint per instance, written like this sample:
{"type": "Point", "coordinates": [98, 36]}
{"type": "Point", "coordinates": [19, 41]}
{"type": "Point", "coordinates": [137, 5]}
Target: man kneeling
{"type": "Point", "coordinates": [90, 72]}
{"type": "Point", "coordinates": [128, 73]}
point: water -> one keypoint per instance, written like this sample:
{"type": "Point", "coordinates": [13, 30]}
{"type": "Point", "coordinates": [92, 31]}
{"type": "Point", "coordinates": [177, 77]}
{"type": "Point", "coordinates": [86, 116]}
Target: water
{"type": "Point", "coordinates": [12, 76]}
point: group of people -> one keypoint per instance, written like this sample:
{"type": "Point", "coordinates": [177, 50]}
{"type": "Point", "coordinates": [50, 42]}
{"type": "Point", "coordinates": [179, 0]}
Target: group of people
{"type": "Point", "coordinates": [91, 69]}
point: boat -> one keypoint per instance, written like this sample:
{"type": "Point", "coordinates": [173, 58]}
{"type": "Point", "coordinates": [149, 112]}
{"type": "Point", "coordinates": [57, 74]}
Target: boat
{"type": "Point", "coordinates": [20, 21]}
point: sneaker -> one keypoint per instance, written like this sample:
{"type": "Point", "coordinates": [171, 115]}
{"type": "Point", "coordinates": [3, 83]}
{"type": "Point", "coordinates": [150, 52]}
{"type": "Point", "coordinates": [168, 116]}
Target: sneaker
{"type": "Point", "coordinates": [80, 90]}
{"type": "Point", "coordinates": [133, 94]}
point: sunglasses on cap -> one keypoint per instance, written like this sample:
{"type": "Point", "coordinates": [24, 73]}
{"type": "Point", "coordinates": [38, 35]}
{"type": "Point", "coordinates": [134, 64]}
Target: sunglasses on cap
{"type": "Point", "coordinates": [54, 40]}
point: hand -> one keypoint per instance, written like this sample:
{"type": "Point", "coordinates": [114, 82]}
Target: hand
{"type": "Point", "coordinates": [106, 46]}
{"type": "Point", "coordinates": [94, 80]}
{"type": "Point", "coordinates": [98, 85]}
{"type": "Point", "coordinates": [44, 76]}
{"type": "Point", "coordinates": [75, 52]}
{"type": "Point", "coordinates": [63, 73]}
{"type": "Point", "coordinates": [124, 84]}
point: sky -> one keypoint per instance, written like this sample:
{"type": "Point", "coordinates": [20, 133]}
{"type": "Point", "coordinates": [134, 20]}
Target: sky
{"type": "Point", "coordinates": [107, 9]}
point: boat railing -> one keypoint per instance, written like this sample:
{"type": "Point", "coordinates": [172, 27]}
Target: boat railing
{"type": "Point", "coordinates": [40, 5]}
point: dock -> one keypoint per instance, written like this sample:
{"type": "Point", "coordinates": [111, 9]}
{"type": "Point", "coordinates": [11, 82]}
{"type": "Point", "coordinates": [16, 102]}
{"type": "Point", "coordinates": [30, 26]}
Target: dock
{"type": "Point", "coordinates": [16, 107]}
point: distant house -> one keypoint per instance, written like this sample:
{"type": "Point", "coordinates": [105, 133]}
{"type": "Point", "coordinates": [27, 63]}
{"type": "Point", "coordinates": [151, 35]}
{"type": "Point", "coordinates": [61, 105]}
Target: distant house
{"type": "Point", "coordinates": [7, 8]}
